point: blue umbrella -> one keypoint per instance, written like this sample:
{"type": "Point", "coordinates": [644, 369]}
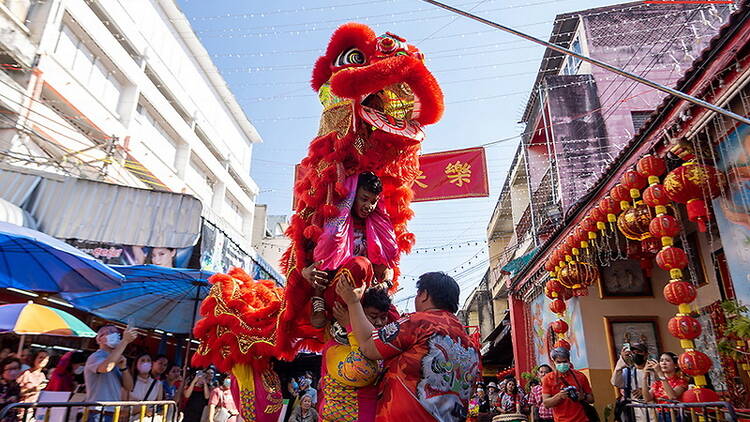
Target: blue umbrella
{"type": "Point", "coordinates": [151, 297]}
{"type": "Point", "coordinates": [32, 260]}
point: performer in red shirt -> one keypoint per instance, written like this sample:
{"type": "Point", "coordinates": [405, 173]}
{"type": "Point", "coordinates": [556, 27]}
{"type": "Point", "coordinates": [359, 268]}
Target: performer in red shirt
{"type": "Point", "coordinates": [565, 390]}
{"type": "Point", "coordinates": [431, 363]}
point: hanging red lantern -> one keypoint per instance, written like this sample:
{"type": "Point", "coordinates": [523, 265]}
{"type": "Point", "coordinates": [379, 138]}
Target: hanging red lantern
{"type": "Point", "coordinates": [664, 226]}
{"type": "Point", "coordinates": [634, 182]}
{"type": "Point", "coordinates": [679, 292]}
{"type": "Point", "coordinates": [695, 363]}
{"type": "Point", "coordinates": [572, 241]}
{"type": "Point", "coordinates": [610, 207]}
{"type": "Point", "coordinates": [651, 245]}
{"type": "Point", "coordinates": [652, 167]}
{"type": "Point", "coordinates": [599, 217]}
{"type": "Point", "coordinates": [557, 306]}
{"type": "Point", "coordinates": [589, 224]}
{"type": "Point", "coordinates": [621, 194]}
{"type": "Point", "coordinates": [692, 184]}
{"type": "Point", "coordinates": [655, 196]}
{"type": "Point", "coordinates": [560, 326]}
{"type": "Point", "coordinates": [550, 264]}
{"type": "Point", "coordinates": [684, 327]}
{"type": "Point", "coordinates": [699, 395]}
{"type": "Point", "coordinates": [578, 274]}
{"type": "Point", "coordinates": [671, 258]}
{"type": "Point", "coordinates": [561, 343]}
{"type": "Point", "coordinates": [582, 235]}
{"type": "Point", "coordinates": [633, 222]}
{"type": "Point", "coordinates": [553, 289]}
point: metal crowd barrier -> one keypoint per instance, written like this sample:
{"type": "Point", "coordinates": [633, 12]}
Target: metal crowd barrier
{"type": "Point", "coordinates": [102, 411]}
{"type": "Point", "coordinates": [692, 412]}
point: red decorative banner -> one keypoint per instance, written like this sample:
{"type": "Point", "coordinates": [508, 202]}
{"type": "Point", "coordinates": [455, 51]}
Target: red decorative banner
{"type": "Point", "coordinates": [443, 175]}
{"type": "Point", "coordinates": [452, 175]}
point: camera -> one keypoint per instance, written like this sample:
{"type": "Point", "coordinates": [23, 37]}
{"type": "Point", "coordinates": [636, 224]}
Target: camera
{"type": "Point", "coordinates": [572, 392]}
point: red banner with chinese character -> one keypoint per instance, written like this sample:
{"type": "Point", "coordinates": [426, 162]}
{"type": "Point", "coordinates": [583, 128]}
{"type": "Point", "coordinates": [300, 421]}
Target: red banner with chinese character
{"type": "Point", "coordinates": [444, 175]}
{"type": "Point", "coordinates": [451, 175]}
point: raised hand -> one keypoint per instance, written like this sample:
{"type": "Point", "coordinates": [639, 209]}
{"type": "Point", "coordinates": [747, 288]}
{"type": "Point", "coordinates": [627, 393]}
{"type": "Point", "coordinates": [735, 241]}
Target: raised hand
{"type": "Point", "coordinates": [348, 293]}
{"type": "Point", "coordinates": [341, 313]}
{"type": "Point", "coordinates": [317, 278]}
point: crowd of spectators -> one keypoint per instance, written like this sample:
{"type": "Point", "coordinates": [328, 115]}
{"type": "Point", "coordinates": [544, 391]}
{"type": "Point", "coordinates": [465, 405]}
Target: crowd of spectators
{"type": "Point", "coordinates": [107, 375]}
{"type": "Point", "coordinates": [562, 394]}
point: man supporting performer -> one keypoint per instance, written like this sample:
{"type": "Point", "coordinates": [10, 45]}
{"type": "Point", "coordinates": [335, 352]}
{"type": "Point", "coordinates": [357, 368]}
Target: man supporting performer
{"type": "Point", "coordinates": [431, 363]}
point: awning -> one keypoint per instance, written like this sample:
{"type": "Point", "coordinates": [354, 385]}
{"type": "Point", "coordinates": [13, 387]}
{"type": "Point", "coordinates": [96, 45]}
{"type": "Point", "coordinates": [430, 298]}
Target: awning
{"type": "Point", "coordinates": [516, 265]}
{"type": "Point", "coordinates": [71, 208]}
{"type": "Point", "coordinates": [11, 213]}
{"type": "Point", "coordinates": [498, 347]}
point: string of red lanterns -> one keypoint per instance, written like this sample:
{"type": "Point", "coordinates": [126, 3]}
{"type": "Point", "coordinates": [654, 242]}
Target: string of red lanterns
{"type": "Point", "coordinates": [640, 208]}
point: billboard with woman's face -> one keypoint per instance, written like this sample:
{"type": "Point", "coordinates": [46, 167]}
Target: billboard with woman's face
{"type": "Point", "coordinates": [114, 254]}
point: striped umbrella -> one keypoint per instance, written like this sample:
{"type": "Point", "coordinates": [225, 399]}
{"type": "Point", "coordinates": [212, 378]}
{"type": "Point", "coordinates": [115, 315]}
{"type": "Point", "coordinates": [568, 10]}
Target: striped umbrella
{"type": "Point", "coordinates": [32, 319]}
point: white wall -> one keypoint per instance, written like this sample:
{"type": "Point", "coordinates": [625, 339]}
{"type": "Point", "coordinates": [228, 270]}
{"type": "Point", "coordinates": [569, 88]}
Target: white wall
{"type": "Point", "coordinates": [95, 78]}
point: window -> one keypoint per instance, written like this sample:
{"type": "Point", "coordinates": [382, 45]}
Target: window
{"type": "Point", "coordinates": [156, 137]}
{"type": "Point", "coordinates": [199, 179]}
{"type": "Point", "coordinates": [639, 119]}
{"type": "Point", "coordinates": [571, 64]}
{"type": "Point", "coordinates": [88, 68]}
{"type": "Point", "coordinates": [233, 212]}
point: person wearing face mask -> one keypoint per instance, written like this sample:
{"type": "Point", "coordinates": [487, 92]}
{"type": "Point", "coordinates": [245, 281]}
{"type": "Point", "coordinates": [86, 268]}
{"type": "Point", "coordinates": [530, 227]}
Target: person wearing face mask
{"type": "Point", "coordinates": [627, 376]}
{"type": "Point", "coordinates": [145, 387]}
{"type": "Point", "coordinates": [104, 373]}
{"type": "Point", "coordinates": [567, 391]}
{"type": "Point", "coordinates": [221, 405]}
{"type": "Point", "coordinates": [63, 377]}
{"type": "Point", "coordinates": [10, 391]}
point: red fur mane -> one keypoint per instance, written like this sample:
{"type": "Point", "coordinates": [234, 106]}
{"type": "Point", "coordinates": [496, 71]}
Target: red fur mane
{"type": "Point", "coordinates": [344, 151]}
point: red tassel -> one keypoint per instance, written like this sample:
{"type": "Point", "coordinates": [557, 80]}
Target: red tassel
{"type": "Point", "coordinates": [312, 232]}
{"type": "Point", "coordinates": [329, 211]}
{"type": "Point", "coordinates": [698, 213]}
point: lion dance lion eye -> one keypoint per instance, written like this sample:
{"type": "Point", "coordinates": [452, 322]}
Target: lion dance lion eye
{"type": "Point", "coordinates": [351, 56]}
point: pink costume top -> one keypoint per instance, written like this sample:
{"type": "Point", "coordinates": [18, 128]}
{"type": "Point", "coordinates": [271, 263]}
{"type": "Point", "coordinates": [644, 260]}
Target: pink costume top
{"type": "Point", "coordinates": [347, 388]}
{"type": "Point", "coordinates": [337, 242]}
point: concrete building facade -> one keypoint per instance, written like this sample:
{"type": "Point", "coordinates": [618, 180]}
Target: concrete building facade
{"type": "Point", "coordinates": [123, 91]}
{"type": "Point", "coordinates": [577, 119]}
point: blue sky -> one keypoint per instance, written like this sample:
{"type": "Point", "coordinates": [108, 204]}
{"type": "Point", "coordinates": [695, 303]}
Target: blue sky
{"type": "Point", "coordinates": [265, 50]}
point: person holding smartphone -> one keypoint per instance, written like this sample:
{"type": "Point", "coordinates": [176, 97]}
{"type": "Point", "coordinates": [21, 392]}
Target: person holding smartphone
{"type": "Point", "coordinates": [105, 375]}
{"type": "Point", "coordinates": [627, 376]}
{"type": "Point", "coordinates": [197, 393]}
{"type": "Point", "coordinates": [669, 383]}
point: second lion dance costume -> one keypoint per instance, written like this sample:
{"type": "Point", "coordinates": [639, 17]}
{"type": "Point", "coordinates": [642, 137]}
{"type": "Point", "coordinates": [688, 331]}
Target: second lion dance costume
{"type": "Point", "coordinates": [377, 94]}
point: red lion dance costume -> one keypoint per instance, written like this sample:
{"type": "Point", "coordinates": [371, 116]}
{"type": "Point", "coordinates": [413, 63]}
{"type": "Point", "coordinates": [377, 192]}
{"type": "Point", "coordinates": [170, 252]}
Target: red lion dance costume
{"type": "Point", "coordinates": [376, 93]}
